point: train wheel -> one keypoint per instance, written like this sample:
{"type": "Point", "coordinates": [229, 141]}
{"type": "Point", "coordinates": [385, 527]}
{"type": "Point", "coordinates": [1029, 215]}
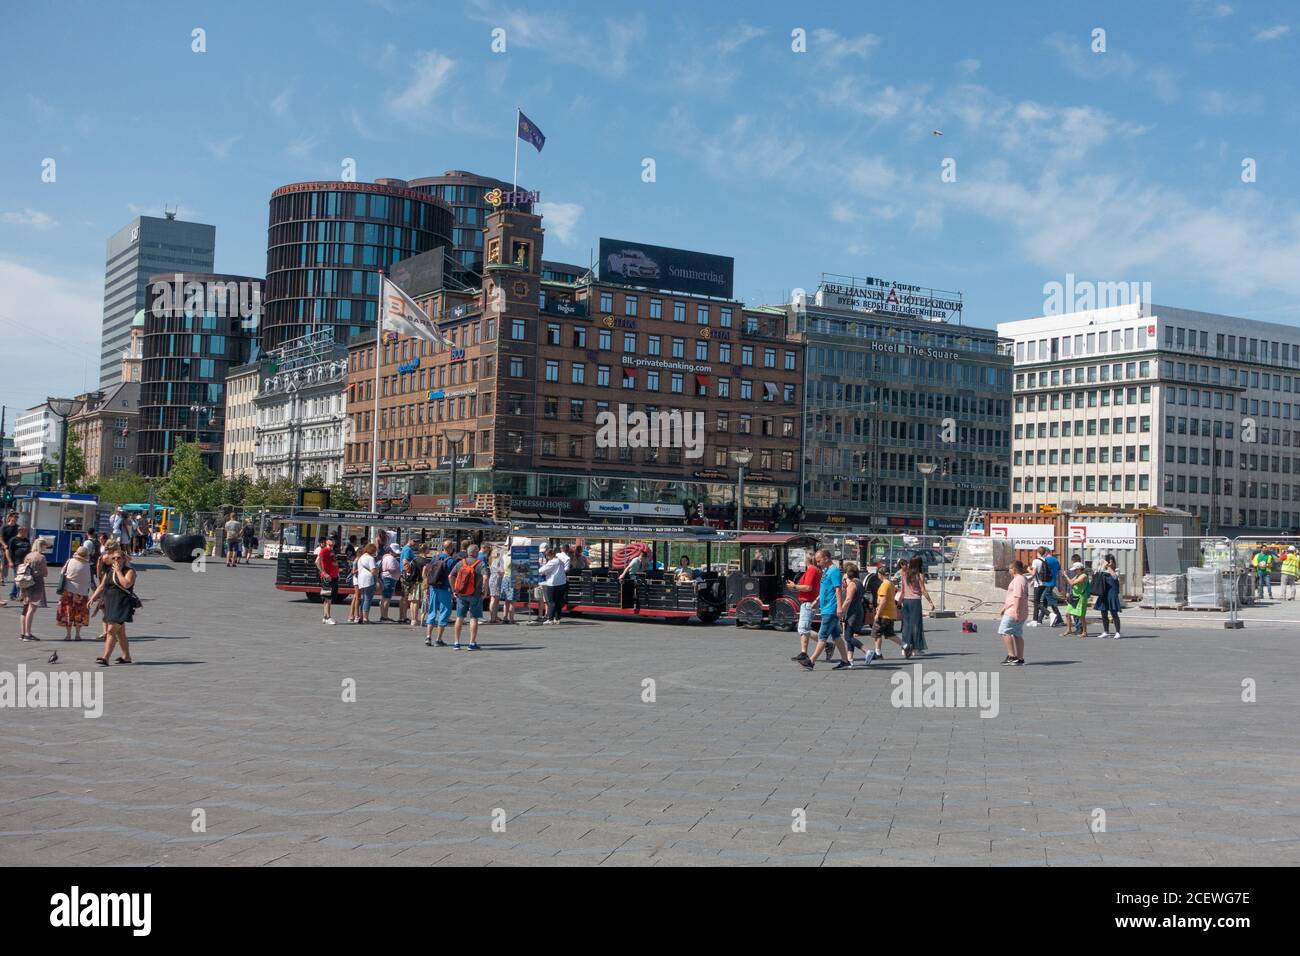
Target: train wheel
{"type": "Point", "coordinates": [749, 612]}
{"type": "Point", "coordinates": [709, 616]}
{"type": "Point", "coordinates": [784, 615]}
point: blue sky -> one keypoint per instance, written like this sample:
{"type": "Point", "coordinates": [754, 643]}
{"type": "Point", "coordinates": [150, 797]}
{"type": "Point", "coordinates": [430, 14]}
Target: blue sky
{"type": "Point", "coordinates": [1123, 165]}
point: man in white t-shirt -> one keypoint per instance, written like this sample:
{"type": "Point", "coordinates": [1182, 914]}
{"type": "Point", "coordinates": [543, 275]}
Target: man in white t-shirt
{"type": "Point", "coordinates": [232, 529]}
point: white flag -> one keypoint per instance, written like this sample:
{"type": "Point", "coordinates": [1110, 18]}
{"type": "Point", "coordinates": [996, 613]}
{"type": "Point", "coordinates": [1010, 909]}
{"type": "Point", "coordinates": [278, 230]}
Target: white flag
{"type": "Point", "coordinates": [402, 315]}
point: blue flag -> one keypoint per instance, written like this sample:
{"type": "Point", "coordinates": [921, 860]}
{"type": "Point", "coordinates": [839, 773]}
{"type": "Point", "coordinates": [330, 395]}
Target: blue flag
{"type": "Point", "coordinates": [529, 132]}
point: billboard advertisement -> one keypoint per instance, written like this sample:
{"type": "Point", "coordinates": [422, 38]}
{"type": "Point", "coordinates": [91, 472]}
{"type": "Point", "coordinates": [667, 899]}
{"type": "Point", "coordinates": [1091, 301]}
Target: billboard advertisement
{"type": "Point", "coordinates": [1111, 535]}
{"type": "Point", "coordinates": [1025, 535]}
{"type": "Point", "coordinates": [657, 267]}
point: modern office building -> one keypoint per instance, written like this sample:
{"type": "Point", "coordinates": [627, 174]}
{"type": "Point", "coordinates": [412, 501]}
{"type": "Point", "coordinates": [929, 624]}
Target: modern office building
{"type": "Point", "coordinates": [464, 193]}
{"type": "Point", "coordinates": [539, 394]}
{"type": "Point", "coordinates": [189, 348]}
{"type": "Point", "coordinates": [896, 381]}
{"type": "Point", "coordinates": [1145, 405]}
{"type": "Point", "coordinates": [299, 410]}
{"type": "Point", "coordinates": [146, 246]}
{"type": "Point", "coordinates": [106, 427]}
{"type": "Point", "coordinates": [36, 436]}
{"type": "Point", "coordinates": [326, 243]}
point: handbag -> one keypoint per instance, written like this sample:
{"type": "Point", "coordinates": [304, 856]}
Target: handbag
{"type": "Point", "coordinates": [63, 581]}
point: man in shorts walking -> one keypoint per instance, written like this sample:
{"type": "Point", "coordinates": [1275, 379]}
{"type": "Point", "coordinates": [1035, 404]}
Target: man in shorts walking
{"type": "Point", "coordinates": [828, 604]}
{"type": "Point", "coordinates": [469, 585]}
{"type": "Point", "coordinates": [1014, 611]}
{"type": "Point", "coordinates": [807, 590]}
{"type": "Point", "coordinates": [437, 580]}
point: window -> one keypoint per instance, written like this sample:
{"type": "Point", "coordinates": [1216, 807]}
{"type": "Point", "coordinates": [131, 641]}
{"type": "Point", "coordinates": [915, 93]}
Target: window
{"type": "Point", "coordinates": [579, 336]}
{"type": "Point", "coordinates": [769, 358]}
{"type": "Point", "coordinates": [679, 348]}
{"type": "Point", "coordinates": [652, 381]}
{"type": "Point", "coordinates": [746, 389]}
{"type": "Point", "coordinates": [605, 340]}
{"type": "Point", "coordinates": [552, 370]}
{"type": "Point", "coordinates": [701, 315]}
{"type": "Point", "coordinates": [629, 305]}
{"type": "Point", "coordinates": [747, 355]}
{"type": "Point", "coordinates": [579, 373]}
{"type": "Point", "coordinates": [552, 334]}
{"type": "Point", "coordinates": [724, 353]}
{"type": "Point", "coordinates": [602, 376]}
{"type": "Point", "coordinates": [652, 345]}
{"type": "Point", "coordinates": [724, 388]}
{"type": "Point", "coordinates": [656, 308]}
{"type": "Point", "coordinates": [607, 302]}
{"type": "Point", "coordinates": [518, 330]}
{"type": "Point", "coordinates": [516, 367]}
{"type": "Point", "coordinates": [789, 362]}
{"type": "Point", "coordinates": [724, 316]}
{"type": "Point", "coordinates": [676, 383]}
{"type": "Point", "coordinates": [629, 341]}
{"type": "Point", "coordinates": [577, 409]}
{"type": "Point", "coordinates": [679, 311]}
{"type": "Point", "coordinates": [701, 350]}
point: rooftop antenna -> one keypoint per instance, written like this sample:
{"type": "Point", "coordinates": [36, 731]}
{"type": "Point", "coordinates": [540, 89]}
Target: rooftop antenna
{"type": "Point", "coordinates": [170, 213]}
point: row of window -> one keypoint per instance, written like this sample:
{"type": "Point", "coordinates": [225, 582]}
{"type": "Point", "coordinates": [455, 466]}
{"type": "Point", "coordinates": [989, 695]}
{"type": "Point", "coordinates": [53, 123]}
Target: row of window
{"type": "Point", "coordinates": [1088, 374]}
{"type": "Point", "coordinates": [822, 393]}
{"type": "Point", "coordinates": [1094, 398]}
{"type": "Point", "coordinates": [1216, 375]}
{"type": "Point", "coordinates": [631, 307]}
{"type": "Point", "coordinates": [1079, 456]}
{"type": "Point", "coordinates": [1234, 346]}
{"type": "Point", "coordinates": [1084, 483]}
{"type": "Point", "coordinates": [1066, 429]}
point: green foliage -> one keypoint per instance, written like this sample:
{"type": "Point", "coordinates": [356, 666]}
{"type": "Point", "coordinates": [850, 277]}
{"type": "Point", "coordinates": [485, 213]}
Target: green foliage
{"type": "Point", "coordinates": [265, 493]}
{"type": "Point", "coordinates": [123, 487]}
{"type": "Point", "coordinates": [342, 499]}
{"type": "Point", "coordinates": [189, 486]}
{"type": "Point", "coordinates": [235, 491]}
{"type": "Point", "coordinates": [74, 468]}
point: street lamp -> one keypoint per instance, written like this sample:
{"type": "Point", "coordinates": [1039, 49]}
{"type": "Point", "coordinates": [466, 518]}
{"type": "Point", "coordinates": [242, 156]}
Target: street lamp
{"type": "Point", "coordinates": [63, 409]}
{"type": "Point", "coordinates": [742, 457]}
{"type": "Point", "coordinates": [926, 468]}
{"type": "Point", "coordinates": [454, 437]}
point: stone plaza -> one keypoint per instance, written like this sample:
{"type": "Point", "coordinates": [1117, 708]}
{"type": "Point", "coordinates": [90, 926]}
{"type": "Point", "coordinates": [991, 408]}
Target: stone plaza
{"type": "Point", "coordinates": [230, 742]}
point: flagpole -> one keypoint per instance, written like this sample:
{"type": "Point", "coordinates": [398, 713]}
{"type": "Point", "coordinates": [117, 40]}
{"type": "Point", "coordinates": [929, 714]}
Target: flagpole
{"type": "Point", "coordinates": [374, 425]}
{"type": "Point", "coordinates": [515, 187]}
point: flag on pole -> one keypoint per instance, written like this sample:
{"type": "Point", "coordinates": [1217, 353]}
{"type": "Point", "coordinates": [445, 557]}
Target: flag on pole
{"type": "Point", "coordinates": [402, 315]}
{"type": "Point", "coordinates": [529, 132]}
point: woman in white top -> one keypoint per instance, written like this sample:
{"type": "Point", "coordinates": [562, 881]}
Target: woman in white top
{"type": "Point", "coordinates": [74, 594]}
{"type": "Point", "coordinates": [364, 580]}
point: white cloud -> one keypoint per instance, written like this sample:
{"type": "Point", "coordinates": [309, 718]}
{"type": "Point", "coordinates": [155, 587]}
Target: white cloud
{"type": "Point", "coordinates": [1272, 33]}
{"type": "Point", "coordinates": [1224, 103]}
{"type": "Point", "coordinates": [220, 149]}
{"type": "Point", "coordinates": [561, 219]}
{"type": "Point", "coordinates": [31, 217]}
{"type": "Point", "coordinates": [280, 104]}
{"type": "Point", "coordinates": [835, 46]}
{"type": "Point", "coordinates": [968, 67]}
{"type": "Point", "coordinates": [55, 320]}
{"type": "Point", "coordinates": [1076, 55]}
{"type": "Point", "coordinates": [733, 40]}
{"type": "Point", "coordinates": [416, 103]}
{"type": "Point", "coordinates": [581, 43]}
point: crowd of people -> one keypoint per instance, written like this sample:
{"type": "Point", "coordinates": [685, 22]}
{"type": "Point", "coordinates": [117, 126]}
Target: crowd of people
{"type": "Point", "coordinates": [882, 605]}
{"type": "Point", "coordinates": [459, 585]}
{"type": "Point", "coordinates": [1049, 583]}
{"type": "Point", "coordinates": [96, 580]}
{"type": "Point", "coordinates": [136, 533]}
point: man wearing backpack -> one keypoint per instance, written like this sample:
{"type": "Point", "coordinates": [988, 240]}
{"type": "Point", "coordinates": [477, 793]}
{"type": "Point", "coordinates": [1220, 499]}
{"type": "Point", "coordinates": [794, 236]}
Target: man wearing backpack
{"type": "Point", "coordinates": [1049, 576]}
{"type": "Point", "coordinates": [437, 579]}
{"type": "Point", "coordinates": [1036, 573]}
{"type": "Point", "coordinates": [468, 586]}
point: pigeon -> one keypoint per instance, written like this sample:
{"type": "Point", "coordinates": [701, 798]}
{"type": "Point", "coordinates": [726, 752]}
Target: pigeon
{"type": "Point", "coordinates": [936, 132]}
{"type": "Point", "coordinates": [54, 658]}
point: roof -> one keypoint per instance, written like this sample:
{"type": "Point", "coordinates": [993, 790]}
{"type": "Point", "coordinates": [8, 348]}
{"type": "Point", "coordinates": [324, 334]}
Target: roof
{"type": "Point", "coordinates": [625, 532]}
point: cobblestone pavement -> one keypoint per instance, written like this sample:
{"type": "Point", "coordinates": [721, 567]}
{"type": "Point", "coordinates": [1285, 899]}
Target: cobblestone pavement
{"type": "Point", "coordinates": [236, 709]}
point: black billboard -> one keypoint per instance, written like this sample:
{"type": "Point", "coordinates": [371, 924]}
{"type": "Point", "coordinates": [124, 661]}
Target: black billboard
{"type": "Point", "coordinates": [657, 267]}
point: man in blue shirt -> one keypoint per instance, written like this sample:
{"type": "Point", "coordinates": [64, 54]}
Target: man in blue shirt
{"type": "Point", "coordinates": [828, 606]}
{"type": "Point", "coordinates": [1051, 576]}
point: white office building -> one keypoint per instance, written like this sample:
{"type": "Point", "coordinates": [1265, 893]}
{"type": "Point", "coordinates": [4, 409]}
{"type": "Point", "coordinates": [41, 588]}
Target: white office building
{"type": "Point", "coordinates": [1145, 405]}
{"type": "Point", "coordinates": [36, 436]}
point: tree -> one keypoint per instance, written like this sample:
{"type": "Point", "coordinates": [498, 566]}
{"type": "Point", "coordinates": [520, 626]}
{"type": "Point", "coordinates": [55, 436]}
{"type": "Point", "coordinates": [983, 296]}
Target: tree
{"type": "Point", "coordinates": [342, 499]}
{"type": "Point", "coordinates": [189, 486]}
{"type": "Point", "coordinates": [74, 466]}
{"type": "Point", "coordinates": [123, 487]}
{"type": "Point", "coordinates": [234, 491]}
{"type": "Point", "coordinates": [313, 480]}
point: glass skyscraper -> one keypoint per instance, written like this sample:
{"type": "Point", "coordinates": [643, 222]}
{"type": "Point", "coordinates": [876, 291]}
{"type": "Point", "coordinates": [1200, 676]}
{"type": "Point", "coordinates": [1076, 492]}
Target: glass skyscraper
{"type": "Point", "coordinates": [144, 247]}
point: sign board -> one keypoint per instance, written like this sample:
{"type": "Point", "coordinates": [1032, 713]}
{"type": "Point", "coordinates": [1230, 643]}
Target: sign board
{"type": "Point", "coordinates": [659, 267]}
{"type": "Point", "coordinates": [870, 294]}
{"type": "Point", "coordinates": [1025, 535]}
{"type": "Point", "coordinates": [525, 559]}
{"type": "Point", "coordinates": [658, 509]}
{"type": "Point", "coordinates": [1107, 535]}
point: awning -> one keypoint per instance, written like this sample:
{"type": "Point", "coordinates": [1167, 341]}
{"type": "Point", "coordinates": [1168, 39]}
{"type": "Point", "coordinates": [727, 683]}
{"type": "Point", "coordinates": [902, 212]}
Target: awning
{"type": "Point", "coordinates": [629, 372]}
{"type": "Point", "coordinates": [769, 391]}
{"type": "Point", "coordinates": [702, 380]}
